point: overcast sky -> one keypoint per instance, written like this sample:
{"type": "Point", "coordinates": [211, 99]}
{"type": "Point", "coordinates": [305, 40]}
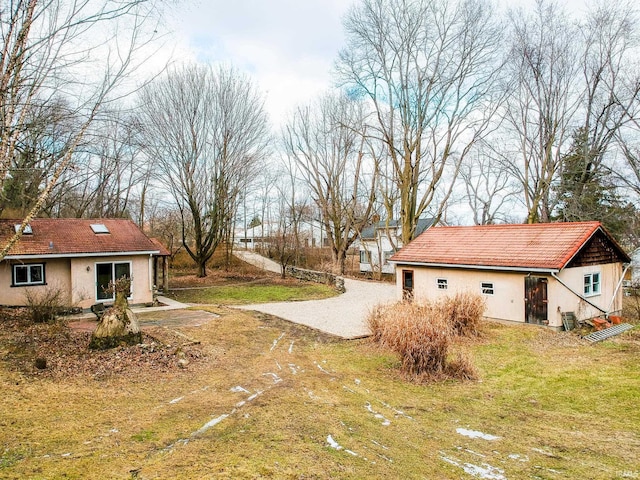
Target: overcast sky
{"type": "Point", "coordinates": [287, 46]}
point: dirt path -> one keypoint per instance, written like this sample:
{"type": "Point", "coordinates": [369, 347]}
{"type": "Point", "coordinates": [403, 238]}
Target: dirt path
{"type": "Point", "coordinates": [344, 315]}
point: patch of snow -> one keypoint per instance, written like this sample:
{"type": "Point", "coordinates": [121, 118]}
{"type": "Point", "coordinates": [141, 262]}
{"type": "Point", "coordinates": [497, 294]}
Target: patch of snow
{"type": "Point", "coordinates": [322, 369]}
{"type": "Point", "coordinates": [293, 368]}
{"type": "Point", "coordinates": [379, 444]}
{"type": "Point", "coordinates": [472, 452]}
{"type": "Point", "coordinates": [211, 423]}
{"type": "Point", "coordinates": [385, 421]}
{"type": "Point", "coordinates": [252, 397]}
{"type": "Point", "coordinates": [176, 400]}
{"type": "Point", "coordinates": [332, 443]}
{"type": "Point", "coordinates": [275, 342]}
{"type": "Point", "coordinates": [276, 378]}
{"type": "Point", "coordinates": [399, 413]}
{"type": "Point", "coordinates": [352, 452]}
{"type": "Point", "coordinates": [357, 381]}
{"type": "Point", "coordinates": [66, 454]}
{"type": "Point", "coordinates": [476, 434]}
{"type": "Point", "coordinates": [239, 389]}
{"type": "Point", "coordinates": [291, 347]}
{"type": "Point", "coordinates": [278, 365]}
{"type": "Point", "coordinates": [486, 471]}
{"type": "Point", "coordinates": [521, 458]}
{"type": "Point", "coordinates": [543, 452]}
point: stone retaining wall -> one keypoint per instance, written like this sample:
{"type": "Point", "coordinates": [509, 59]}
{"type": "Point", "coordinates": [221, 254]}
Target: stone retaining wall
{"type": "Point", "coordinates": [317, 277]}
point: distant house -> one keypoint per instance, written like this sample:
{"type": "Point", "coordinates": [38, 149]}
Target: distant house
{"type": "Point", "coordinates": [381, 240]}
{"type": "Point", "coordinates": [311, 233]}
{"type": "Point", "coordinates": [80, 257]}
{"type": "Point", "coordinates": [527, 273]}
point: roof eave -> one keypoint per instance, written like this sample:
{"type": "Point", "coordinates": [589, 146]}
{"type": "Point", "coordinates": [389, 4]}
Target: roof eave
{"type": "Point", "coordinates": [477, 267]}
{"type": "Point", "coordinates": [79, 255]}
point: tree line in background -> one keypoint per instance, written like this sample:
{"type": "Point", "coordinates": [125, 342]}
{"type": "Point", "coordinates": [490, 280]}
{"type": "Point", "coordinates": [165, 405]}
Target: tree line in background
{"type": "Point", "coordinates": [444, 109]}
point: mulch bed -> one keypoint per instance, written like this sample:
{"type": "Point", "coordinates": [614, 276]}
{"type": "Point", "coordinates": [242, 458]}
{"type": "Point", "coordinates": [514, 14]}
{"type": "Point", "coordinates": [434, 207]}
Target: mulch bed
{"type": "Point", "coordinates": [66, 351]}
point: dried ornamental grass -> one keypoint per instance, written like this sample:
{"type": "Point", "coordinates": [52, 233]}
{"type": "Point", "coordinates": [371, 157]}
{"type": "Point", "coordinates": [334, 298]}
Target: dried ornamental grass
{"type": "Point", "coordinates": [421, 333]}
{"type": "Point", "coordinates": [463, 312]}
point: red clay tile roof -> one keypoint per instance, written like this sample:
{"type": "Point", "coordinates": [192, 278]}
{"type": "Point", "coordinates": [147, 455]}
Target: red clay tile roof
{"type": "Point", "coordinates": [548, 246]}
{"type": "Point", "coordinates": [72, 236]}
{"type": "Point", "coordinates": [163, 252]}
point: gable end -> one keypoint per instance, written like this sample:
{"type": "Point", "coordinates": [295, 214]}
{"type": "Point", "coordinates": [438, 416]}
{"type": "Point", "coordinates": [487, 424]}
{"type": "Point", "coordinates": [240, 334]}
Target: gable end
{"type": "Point", "coordinates": [598, 250]}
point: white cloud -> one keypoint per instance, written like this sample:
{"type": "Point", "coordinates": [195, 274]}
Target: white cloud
{"type": "Point", "coordinates": [287, 46]}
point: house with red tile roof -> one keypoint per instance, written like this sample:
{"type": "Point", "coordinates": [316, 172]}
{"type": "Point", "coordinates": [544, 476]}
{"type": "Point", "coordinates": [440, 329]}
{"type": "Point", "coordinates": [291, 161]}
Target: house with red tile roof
{"type": "Point", "coordinates": [526, 273]}
{"type": "Point", "coordinates": [80, 257]}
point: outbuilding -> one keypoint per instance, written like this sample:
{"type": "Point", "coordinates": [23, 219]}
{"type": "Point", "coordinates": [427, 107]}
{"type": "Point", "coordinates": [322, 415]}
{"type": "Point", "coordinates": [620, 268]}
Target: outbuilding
{"type": "Point", "coordinates": [78, 258]}
{"type": "Point", "coordinates": [537, 274]}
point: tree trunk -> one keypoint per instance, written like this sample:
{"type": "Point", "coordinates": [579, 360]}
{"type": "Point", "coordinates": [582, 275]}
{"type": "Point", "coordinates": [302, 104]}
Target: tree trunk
{"type": "Point", "coordinates": [118, 326]}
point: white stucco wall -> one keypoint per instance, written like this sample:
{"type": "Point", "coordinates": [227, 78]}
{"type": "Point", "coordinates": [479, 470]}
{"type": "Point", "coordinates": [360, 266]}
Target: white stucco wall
{"type": "Point", "coordinates": [56, 272]}
{"type": "Point", "coordinates": [77, 277]}
{"type": "Point", "coordinates": [83, 273]}
{"type": "Point", "coordinates": [508, 299]}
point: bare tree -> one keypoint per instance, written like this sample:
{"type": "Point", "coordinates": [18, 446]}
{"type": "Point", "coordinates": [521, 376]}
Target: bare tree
{"type": "Point", "coordinates": [77, 50]}
{"type": "Point", "coordinates": [489, 188]}
{"type": "Point", "coordinates": [609, 101]}
{"type": "Point", "coordinates": [428, 67]}
{"type": "Point", "coordinates": [327, 142]}
{"type": "Point", "coordinates": [207, 129]}
{"type": "Point", "coordinates": [542, 85]}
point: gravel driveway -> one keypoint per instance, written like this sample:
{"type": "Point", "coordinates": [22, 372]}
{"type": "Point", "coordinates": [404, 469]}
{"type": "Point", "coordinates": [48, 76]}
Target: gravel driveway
{"type": "Point", "coordinates": [344, 315]}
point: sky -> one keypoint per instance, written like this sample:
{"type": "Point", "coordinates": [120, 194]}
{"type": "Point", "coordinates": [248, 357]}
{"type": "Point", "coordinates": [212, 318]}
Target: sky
{"type": "Point", "coordinates": [288, 47]}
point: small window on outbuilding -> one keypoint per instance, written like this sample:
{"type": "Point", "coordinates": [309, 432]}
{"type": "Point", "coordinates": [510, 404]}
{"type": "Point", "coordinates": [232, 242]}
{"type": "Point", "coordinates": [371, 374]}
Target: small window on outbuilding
{"type": "Point", "coordinates": [364, 256]}
{"type": "Point", "coordinates": [99, 228]}
{"type": "Point", "coordinates": [442, 283]}
{"type": "Point", "coordinates": [487, 288]}
{"type": "Point", "coordinates": [591, 284]}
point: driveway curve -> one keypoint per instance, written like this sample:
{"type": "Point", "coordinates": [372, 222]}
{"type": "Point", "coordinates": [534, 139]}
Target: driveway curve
{"type": "Point", "coordinates": [344, 316]}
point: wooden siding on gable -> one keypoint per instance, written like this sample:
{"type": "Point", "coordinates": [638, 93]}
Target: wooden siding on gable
{"type": "Point", "coordinates": [597, 251]}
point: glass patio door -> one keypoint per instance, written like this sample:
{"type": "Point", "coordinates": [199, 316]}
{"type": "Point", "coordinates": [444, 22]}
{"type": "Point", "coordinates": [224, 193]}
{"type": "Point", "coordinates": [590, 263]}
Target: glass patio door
{"type": "Point", "coordinates": [106, 273]}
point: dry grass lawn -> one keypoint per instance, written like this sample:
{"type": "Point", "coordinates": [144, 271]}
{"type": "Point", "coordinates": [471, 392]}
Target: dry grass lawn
{"type": "Point", "coordinates": [267, 399]}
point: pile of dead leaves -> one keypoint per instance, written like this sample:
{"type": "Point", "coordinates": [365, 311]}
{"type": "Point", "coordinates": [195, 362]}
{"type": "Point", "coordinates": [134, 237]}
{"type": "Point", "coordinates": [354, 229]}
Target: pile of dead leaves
{"type": "Point", "coordinates": [54, 350]}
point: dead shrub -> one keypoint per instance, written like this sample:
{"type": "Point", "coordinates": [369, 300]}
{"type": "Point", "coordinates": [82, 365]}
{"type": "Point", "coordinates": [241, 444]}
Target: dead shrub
{"type": "Point", "coordinates": [416, 333]}
{"type": "Point", "coordinates": [421, 334]}
{"type": "Point", "coordinates": [44, 303]}
{"type": "Point", "coordinates": [462, 367]}
{"type": "Point", "coordinates": [463, 312]}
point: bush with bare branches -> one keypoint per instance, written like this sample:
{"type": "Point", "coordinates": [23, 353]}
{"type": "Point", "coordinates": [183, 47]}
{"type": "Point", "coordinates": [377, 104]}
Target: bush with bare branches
{"type": "Point", "coordinates": [44, 303]}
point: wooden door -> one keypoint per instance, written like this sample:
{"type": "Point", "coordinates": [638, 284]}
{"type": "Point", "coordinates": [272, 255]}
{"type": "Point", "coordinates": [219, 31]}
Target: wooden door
{"type": "Point", "coordinates": [535, 300]}
{"type": "Point", "coordinates": [407, 285]}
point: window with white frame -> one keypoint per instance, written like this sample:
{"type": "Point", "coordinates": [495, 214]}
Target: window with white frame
{"type": "Point", "coordinates": [486, 288]}
{"type": "Point", "coordinates": [442, 283]}
{"type": "Point", "coordinates": [30, 274]}
{"type": "Point", "coordinates": [364, 257]}
{"type": "Point", "coordinates": [592, 284]}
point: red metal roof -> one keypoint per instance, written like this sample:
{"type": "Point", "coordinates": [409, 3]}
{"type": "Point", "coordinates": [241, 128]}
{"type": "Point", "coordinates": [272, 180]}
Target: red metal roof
{"type": "Point", "coordinates": [548, 246]}
{"type": "Point", "coordinates": [72, 236]}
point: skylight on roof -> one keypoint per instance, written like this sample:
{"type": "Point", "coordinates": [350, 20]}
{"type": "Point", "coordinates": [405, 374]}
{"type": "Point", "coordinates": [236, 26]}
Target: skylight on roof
{"type": "Point", "coordinates": [27, 229]}
{"type": "Point", "coordinates": [99, 228]}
